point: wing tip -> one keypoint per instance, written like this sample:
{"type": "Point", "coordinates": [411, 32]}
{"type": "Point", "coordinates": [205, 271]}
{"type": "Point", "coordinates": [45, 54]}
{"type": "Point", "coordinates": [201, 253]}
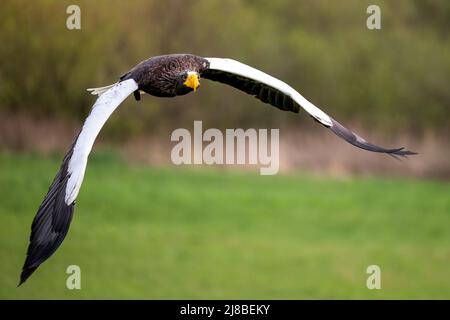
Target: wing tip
{"type": "Point", "coordinates": [402, 152]}
{"type": "Point", "coordinates": [359, 142]}
{"type": "Point", "coordinates": [25, 274]}
{"type": "Point", "coordinates": [51, 223]}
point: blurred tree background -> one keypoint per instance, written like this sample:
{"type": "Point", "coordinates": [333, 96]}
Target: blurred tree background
{"type": "Point", "coordinates": [392, 79]}
{"type": "Point", "coordinates": [169, 232]}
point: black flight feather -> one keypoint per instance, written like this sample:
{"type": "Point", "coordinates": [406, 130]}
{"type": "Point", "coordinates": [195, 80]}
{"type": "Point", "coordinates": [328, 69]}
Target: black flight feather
{"type": "Point", "coordinates": [359, 142]}
{"type": "Point", "coordinates": [51, 224]}
{"type": "Point", "coordinates": [261, 91]}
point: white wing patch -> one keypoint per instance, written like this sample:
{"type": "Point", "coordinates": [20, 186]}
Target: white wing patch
{"type": "Point", "coordinates": [238, 68]}
{"type": "Point", "coordinates": [101, 111]}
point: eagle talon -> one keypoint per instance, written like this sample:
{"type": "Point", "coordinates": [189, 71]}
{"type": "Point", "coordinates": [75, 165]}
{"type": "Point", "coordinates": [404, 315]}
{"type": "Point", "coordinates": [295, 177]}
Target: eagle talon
{"type": "Point", "coordinates": [137, 95]}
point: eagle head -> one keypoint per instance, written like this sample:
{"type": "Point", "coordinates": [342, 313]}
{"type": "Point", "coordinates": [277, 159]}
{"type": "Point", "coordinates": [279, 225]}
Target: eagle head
{"type": "Point", "coordinates": [187, 82]}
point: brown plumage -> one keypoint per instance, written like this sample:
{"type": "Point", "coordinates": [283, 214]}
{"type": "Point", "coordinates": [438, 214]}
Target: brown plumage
{"type": "Point", "coordinates": [160, 76]}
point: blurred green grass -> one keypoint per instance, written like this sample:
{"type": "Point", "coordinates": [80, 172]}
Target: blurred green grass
{"type": "Point", "coordinates": [175, 233]}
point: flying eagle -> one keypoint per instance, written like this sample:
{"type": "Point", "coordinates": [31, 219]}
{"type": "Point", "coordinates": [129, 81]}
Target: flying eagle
{"type": "Point", "coordinates": [161, 76]}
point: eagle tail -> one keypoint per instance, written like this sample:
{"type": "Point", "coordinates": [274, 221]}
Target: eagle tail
{"type": "Point", "coordinates": [100, 90]}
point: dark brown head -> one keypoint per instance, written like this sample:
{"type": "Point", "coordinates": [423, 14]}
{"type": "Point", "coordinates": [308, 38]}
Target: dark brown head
{"type": "Point", "coordinates": [169, 75]}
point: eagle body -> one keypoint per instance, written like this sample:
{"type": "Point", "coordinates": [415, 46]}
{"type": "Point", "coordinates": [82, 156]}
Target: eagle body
{"type": "Point", "coordinates": [161, 76]}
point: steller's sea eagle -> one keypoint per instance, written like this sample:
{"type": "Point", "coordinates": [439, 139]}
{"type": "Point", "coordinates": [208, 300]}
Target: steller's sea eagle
{"type": "Point", "coordinates": [161, 76]}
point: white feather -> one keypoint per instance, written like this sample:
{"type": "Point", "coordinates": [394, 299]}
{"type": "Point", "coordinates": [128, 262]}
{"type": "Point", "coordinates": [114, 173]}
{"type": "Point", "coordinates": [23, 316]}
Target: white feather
{"type": "Point", "coordinates": [238, 68]}
{"type": "Point", "coordinates": [100, 90]}
{"type": "Point", "coordinates": [101, 111]}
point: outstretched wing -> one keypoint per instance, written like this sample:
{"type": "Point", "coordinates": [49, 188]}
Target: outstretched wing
{"type": "Point", "coordinates": [279, 94]}
{"type": "Point", "coordinates": [54, 215]}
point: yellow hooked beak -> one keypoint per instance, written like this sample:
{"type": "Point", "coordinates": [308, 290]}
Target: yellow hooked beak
{"type": "Point", "coordinates": [192, 81]}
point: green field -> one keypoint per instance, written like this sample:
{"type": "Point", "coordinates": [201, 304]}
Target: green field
{"type": "Point", "coordinates": [177, 233]}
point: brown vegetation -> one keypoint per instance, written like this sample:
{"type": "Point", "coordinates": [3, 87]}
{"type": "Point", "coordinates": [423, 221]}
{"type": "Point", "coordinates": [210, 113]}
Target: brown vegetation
{"type": "Point", "coordinates": [311, 150]}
